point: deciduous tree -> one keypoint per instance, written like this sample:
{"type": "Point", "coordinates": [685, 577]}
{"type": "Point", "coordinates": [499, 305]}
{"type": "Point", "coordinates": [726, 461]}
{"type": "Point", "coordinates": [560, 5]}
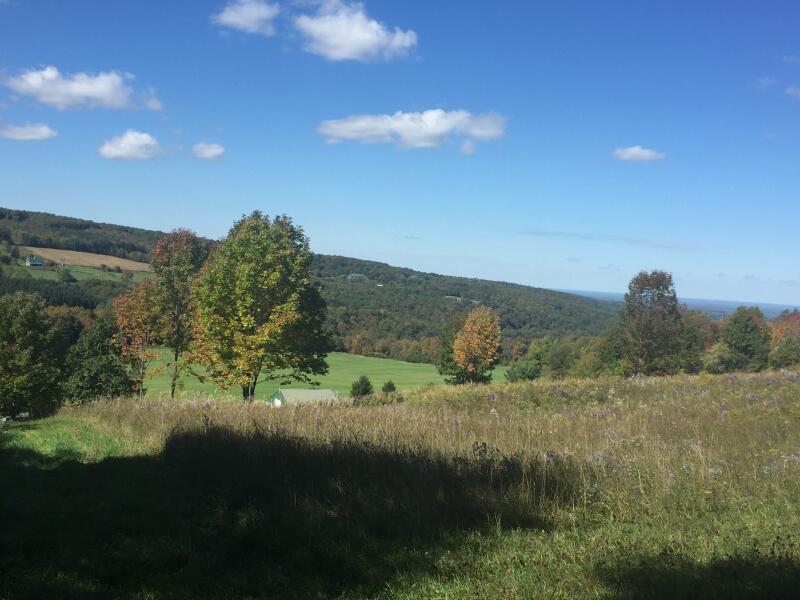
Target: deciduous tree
{"type": "Point", "coordinates": [651, 323]}
{"type": "Point", "coordinates": [139, 320]}
{"type": "Point", "coordinates": [176, 259]}
{"type": "Point", "coordinates": [260, 314]}
{"type": "Point", "coordinates": [33, 349]}
{"type": "Point", "coordinates": [746, 334]}
{"type": "Point", "coordinates": [476, 347]}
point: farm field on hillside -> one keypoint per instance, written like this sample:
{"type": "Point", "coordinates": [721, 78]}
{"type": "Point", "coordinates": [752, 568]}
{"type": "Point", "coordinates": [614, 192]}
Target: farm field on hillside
{"type": "Point", "coordinates": [678, 487]}
{"type": "Point", "coordinates": [344, 369]}
{"type": "Point", "coordinates": [85, 259]}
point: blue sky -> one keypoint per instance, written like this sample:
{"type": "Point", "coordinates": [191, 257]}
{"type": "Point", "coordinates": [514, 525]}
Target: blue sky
{"type": "Point", "coordinates": [561, 144]}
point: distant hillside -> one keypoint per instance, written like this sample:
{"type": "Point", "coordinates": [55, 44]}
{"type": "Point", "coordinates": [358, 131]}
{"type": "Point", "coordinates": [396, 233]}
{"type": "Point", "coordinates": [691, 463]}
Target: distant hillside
{"type": "Point", "coordinates": [43, 230]}
{"type": "Point", "coordinates": [373, 308]}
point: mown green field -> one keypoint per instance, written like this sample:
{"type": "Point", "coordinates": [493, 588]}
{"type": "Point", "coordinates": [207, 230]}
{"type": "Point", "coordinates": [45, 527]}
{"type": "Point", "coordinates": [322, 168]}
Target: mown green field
{"type": "Point", "coordinates": [344, 369]}
{"type": "Point", "coordinates": [80, 273]}
{"type": "Point", "coordinates": [672, 488]}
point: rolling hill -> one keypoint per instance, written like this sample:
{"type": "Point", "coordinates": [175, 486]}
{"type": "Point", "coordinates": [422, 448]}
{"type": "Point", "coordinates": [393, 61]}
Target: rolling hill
{"type": "Point", "coordinates": [373, 308]}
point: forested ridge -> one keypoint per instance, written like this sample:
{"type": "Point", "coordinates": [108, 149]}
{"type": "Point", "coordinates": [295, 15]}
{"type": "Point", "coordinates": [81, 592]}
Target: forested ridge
{"type": "Point", "coordinates": [43, 230]}
{"type": "Point", "coordinates": [373, 308]}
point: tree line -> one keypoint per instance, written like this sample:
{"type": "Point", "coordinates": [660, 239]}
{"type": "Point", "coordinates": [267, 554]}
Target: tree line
{"type": "Point", "coordinates": [656, 335]}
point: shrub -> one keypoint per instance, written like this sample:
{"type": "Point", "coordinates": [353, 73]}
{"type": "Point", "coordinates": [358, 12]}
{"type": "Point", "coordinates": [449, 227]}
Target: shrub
{"type": "Point", "coordinates": [389, 387]}
{"type": "Point", "coordinates": [524, 370]}
{"type": "Point", "coordinates": [786, 352]}
{"type": "Point", "coordinates": [361, 387]}
{"type": "Point", "coordinates": [721, 358]}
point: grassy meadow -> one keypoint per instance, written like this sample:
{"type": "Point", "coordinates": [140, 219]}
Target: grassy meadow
{"type": "Point", "coordinates": [85, 259]}
{"type": "Point", "coordinates": [344, 369]}
{"type": "Point", "coordinates": [677, 487]}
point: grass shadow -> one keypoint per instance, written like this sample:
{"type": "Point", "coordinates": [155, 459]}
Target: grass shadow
{"type": "Point", "coordinates": [771, 575]}
{"type": "Point", "coordinates": [223, 514]}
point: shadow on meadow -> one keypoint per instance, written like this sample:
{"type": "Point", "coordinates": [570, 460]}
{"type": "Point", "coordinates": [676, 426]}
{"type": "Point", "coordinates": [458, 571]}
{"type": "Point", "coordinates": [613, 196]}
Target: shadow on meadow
{"type": "Point", "coordinates": [771, 575]}
{"type": "Point", "coordinates": [220, 513]}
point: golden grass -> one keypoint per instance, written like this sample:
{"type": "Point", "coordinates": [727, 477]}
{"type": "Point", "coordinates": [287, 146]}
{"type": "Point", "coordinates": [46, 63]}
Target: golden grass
{"type": "Point", "coordinates": [85, 259]}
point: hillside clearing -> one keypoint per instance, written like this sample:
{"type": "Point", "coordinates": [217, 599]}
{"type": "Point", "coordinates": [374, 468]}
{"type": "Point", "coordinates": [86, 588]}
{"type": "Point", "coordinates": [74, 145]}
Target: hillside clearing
{"type": "Point", "coordinates": [85, 259]}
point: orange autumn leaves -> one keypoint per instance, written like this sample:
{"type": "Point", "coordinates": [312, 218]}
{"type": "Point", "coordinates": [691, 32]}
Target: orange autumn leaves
{"type": "Point", "coordinates": [476, 346]}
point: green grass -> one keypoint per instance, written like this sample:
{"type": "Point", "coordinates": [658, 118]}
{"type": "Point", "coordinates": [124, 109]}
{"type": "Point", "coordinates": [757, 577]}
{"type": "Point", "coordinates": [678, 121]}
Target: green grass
{"type": "Point", "coordinates": [344, 369]}
{"type": "Point", "coordinates": [80, 273]}
{"type": "Point", "coordinates": [681, 487]}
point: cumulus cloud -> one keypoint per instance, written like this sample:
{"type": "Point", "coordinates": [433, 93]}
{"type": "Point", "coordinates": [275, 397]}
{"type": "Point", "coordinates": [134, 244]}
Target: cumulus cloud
{"type": "Point", "coordinates": [30, 132]}
{"type": "Point", "coordinates": [131, 145]}
{"type": "Point", "coordinates": [343, 31]}
{"type": "Point", "coordinates": [638, 153]}
{"type": "Point", "coordinates": [81, 90]}
{"type": "Point", "coordinates": [250, 16]}
{"type": "Point", "coordinates": [208, 151]}
{"type": "Point", "coordinates": [793, 91]}
{"type": "Point", "coordinates": [427, 129]}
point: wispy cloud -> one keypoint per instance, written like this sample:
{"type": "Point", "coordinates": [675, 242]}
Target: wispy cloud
{"type": "Point", "coordinates": [109, 89]}
{"type": "Point", "coordinates": [793, 91]}
{"type": "Point", "coordinates": [30, 132]}
{"type": "Point", "coordinates": [131, 145]}
{"type": "Point", "coordinates": [343, 31]}
{"type": "Point", "coordinates": [791, 58]}
{"type": "Point", "coordinates": [607, 237]}
{"type": "Point", "coordinates": [208, 151]}
{"type": "Point", "coordinates": [427, 129]}
{"type": "Point", "coordinates": [250, 16]}
{"type": "Point", "coordinates": [638, 154]}
{"type": "Point", "coordinates": [764, 82]}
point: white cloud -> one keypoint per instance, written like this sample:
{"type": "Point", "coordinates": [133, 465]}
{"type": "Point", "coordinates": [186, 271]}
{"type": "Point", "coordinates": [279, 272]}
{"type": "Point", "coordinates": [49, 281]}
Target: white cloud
{"type": "Point", "coordinates": [208, 151]}
{"type": "Point", "coordinates": [81, 90]}
{"type": "Point", "coordinates": [251, 16]}
{"type": "Point", "coordinates": [764, 82]}
{"type": "Point", "coordinates": [426, 129]}
{"type": "Point", "coordinates": [793, 91]}
{"type": "Point", "coordinates": [637, 153]}
{"type": "Point", "coordinates": [30, 132]}
{"type": "Point", "coordinates": [342, 31]}
{"type": "Point", "coordinates": [131, 145]}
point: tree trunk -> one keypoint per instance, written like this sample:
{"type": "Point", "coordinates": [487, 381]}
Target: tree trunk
{"type": "Point", "coordinates": [174, 375]}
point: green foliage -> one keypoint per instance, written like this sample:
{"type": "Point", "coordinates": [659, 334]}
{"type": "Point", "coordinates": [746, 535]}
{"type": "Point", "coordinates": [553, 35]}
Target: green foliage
{"type": "Point", "coordinates": [721, 358]}
{"type": "Point", "coordinates": [26, 228]}
{"type": "Point", "coordinates": [786, 352]}
{"type": "Point", "coordinates": [695, 336]}
{"type": "Point", "coordinates": [389, 387]}
{"type": "Point", "coordinates": [373, 309]}
{"type": "Point", "coordinates": [89, 293]}
{"type": "Point", "coordinates": [524, 370]}
{"type": "Point", "coordinates": [33, 350]}
{"type": "Point", "coordinates": [177, 258]}
{"type": "Point", "coordinates": [396, 312]}
{"type": "Point", "coordinates": [747, 335]}
{"type": "Point", "coordinates": [95, 366]}
{"type": "Point", "coordinates": [652, 324]}
{"type": "Point", "coordinates": [64, 276]}
{"type": "Point", "coordinates": [361, 387]}
{"type": "Point", "coordinates": [260, 314]}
